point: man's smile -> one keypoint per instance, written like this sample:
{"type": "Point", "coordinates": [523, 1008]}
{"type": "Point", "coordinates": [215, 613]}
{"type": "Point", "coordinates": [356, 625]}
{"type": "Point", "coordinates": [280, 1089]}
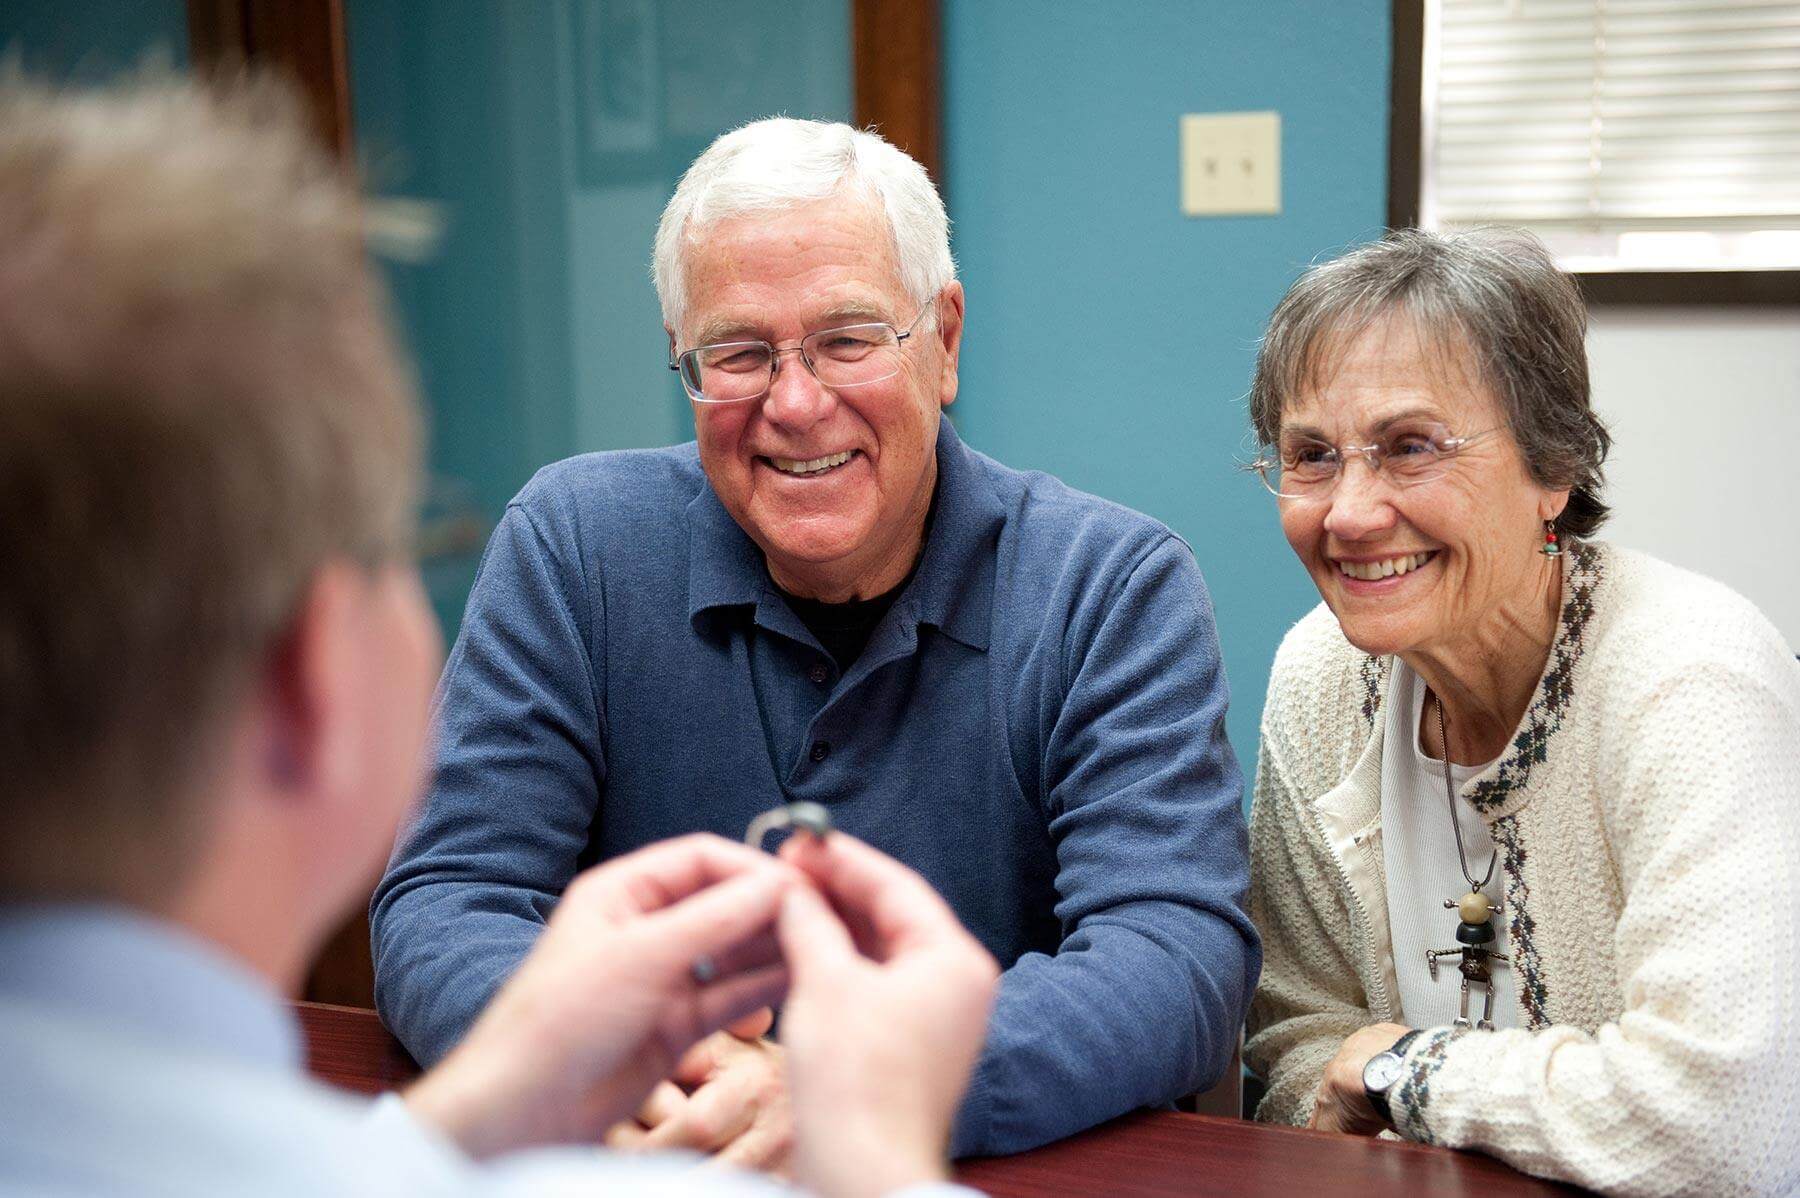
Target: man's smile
{"type": "Point", "coordinates": [810, 467]}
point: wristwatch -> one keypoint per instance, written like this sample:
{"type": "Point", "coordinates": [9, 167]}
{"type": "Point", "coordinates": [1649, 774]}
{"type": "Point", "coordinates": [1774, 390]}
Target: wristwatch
{"type": "Point", "coordinates": [1382, 1073]}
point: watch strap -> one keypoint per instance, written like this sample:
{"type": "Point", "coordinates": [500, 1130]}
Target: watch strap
{"type": "Point", "coordinates": [1379, 1098]}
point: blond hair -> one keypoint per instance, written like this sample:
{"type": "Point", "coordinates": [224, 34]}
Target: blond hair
{"type": "Point", "coordinates": [200, 404]}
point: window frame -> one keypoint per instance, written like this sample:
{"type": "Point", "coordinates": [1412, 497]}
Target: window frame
{"type": "Point", "coordinates": [1406, 95]}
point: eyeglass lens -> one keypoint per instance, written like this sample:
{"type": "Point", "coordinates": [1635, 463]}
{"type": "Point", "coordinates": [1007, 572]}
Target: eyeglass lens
{"type": "Point", "coordinates": [743, 370]}
{"type": "Point", "coordinates": [1406, 455]}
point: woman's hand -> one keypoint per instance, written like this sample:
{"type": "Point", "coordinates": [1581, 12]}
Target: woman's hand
{"type": "Point", "coordinates": [1343, 1104]}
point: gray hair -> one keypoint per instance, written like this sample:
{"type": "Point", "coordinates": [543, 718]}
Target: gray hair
{"type": "Point", "coordinates": [780, 163]}
{"type": "Point", "coordinates": [1493, 297]}
{"type": "Point", "coordinates": [200, 405]}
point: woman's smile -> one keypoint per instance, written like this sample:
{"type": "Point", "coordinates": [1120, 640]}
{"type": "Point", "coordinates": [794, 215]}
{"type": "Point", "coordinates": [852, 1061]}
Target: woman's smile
{"type": "Point", "coordinates": [1378, 576]}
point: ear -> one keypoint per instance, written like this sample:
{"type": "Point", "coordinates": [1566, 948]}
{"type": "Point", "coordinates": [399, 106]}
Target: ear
{"type": "Point", "coordinates": [671, 333]}
{"type": "Point", "coordinates": [311, 686]}
{"type": "Point", "coordinates": [1552, 503]}
{"type": "Point", "coordinates": [949, 331]}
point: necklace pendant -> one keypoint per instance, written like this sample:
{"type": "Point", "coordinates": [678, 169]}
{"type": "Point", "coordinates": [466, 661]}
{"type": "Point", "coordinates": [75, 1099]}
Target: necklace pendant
{"type": "Point", "coordinates": [1475, 964]}
{"type": "Point", "coordinates": [1474, 935]}
{"type": "Point", "coordinates": [1477, 911]}
{"type": "Point", "coordinates": [1474, 907]}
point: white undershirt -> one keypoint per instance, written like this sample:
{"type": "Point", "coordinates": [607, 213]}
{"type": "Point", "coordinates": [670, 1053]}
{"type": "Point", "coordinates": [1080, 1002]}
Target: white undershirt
{"type": "Point", "coordinates": [1419, 854]}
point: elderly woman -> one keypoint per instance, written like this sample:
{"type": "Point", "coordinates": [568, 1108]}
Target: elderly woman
{"type": "Point", "coordinates": [1526, 835]}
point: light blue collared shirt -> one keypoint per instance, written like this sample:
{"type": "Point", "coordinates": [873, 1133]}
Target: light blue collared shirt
{"type": "Point", "coordinates": [138, 1059]}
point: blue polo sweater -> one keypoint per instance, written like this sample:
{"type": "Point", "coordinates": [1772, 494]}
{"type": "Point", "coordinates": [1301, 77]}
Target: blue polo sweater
{"type": "Point", "coordinates": [1037, 725]}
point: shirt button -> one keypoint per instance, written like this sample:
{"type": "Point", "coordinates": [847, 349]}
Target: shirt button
{"type": "Point", "coordinates": [820, 750]}
{"type": "Point", "coordinates": [818, 673]}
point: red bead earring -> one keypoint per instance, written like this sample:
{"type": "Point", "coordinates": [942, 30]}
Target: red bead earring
{"type": "Point", "coordinates": [1550, 548]}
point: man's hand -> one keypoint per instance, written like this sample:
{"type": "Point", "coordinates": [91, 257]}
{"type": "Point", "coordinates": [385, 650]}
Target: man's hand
{"type": "Point", "coordinates": [1343, 1104]}
{"type": "Point", "coordinates": [886, 1016]}
{"type": "Point", "coordinates": [727, 1097]}
{"type": "Point", "coordinates": [607, 1002]}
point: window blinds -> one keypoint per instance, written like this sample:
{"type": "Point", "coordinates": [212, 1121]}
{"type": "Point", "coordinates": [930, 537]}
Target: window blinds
{"type": "Point", "coordinates": [1586, 120]}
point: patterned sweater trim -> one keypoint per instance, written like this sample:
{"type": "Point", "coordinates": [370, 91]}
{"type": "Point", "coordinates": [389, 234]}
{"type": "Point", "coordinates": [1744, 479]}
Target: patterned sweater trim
{"type": "Point", "coordinates": [1423, 1060]}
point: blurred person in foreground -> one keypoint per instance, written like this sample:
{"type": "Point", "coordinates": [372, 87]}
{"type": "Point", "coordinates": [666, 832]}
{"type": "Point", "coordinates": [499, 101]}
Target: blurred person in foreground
{"type": "Point", "coordinates": [1525, 837]}
{"type": "Point", "coordinates": [215, 664]}
{"type": "Point", "coordinates": [1011, 686]}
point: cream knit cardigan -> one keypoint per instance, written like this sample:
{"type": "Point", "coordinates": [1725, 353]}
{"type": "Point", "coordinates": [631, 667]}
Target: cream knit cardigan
{"type": "Point", "coordinates": [1647, 814]}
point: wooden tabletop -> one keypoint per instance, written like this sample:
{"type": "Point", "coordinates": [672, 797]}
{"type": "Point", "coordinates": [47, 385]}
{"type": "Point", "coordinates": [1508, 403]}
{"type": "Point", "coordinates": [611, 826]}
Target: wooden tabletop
{"type": "Point", "coordinates": [1142, 1155]}
{"type": "Point", "coordinates": [1153, 1153]}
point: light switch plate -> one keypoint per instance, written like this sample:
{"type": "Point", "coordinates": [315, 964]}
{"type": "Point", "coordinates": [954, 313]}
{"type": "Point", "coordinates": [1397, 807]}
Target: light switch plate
{"type": "Point", "coordinates": [1230, 163]}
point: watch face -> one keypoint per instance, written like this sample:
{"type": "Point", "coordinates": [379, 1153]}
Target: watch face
{"type": "Point", "coordinates": [1382, 1071]}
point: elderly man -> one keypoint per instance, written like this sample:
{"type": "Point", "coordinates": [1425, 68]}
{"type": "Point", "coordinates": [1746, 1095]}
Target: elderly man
{"type": "Point", "coordinates": [215, 661]}
{"type": "Point", "coordinates": [1011, 686]}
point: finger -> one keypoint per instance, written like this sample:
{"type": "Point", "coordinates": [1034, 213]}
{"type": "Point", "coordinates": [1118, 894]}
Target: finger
{"type": "Point", "coordinates": [813, 939]}
{"type": "Point", "coordinates": [754, 1025]}
{"type": "Point", "coordinates": [658, 875]}
{"type": "Point", "coordinates": [755, 952]}
{"type": "Point", "coordinates": [721, 918]}
{"type": "Point", "coordinates": [807, 853]}
{"type": "Point", "coordinates": [856, 875]}
{"type": "Point", "coordinates": [712, 1117]}
{"type": "Point", "coordinates": [1325, 1116]}
{"type": "Point", "coordinates": [815, 866]}
{"type": "Point", "coordinates": [625, 1137]}
{"type": "Point", "coordinates": [900, 906]}
{"type": "Point", "coordinates": [764, 1151]}
{"type": "Point", "coordinates": [732, 998]}
{"type": "Point", "coordinates": [661, 1104]}
{"type": "Point", "coordinates": [697, 1064]}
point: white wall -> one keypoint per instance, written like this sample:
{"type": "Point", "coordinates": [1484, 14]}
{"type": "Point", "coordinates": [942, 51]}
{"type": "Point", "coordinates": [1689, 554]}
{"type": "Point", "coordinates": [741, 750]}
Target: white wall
{"type": "Point", "coordinates": [1704, 406]}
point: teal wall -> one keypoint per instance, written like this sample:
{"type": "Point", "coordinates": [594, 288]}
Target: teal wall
{"type": "Point", "coordinates": [85, 42]}
{"type": "Point", "coordinates": [1110, 339]}
{"type": "Point", "coordinates": [549, 135]}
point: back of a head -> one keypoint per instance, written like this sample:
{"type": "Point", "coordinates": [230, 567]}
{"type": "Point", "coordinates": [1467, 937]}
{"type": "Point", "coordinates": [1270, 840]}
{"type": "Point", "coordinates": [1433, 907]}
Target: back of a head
{"type": "Point", "coordinates": [780, 163]}
{"type": "Point", "coordinates": [200, 404]}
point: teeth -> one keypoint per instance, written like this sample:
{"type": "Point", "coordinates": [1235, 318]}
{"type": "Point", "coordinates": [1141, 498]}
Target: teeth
{"type": "Point", "coordinates": [795, 466]}
{"type": "Point", "coordinates": [1370, 571]}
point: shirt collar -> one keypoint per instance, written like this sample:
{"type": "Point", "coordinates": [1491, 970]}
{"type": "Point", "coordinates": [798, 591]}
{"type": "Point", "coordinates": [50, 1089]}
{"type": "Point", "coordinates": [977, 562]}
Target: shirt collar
{"type": "Point", "coordinates": [952, 590]}
{"type": "Point", "coordinates": [124, 968]}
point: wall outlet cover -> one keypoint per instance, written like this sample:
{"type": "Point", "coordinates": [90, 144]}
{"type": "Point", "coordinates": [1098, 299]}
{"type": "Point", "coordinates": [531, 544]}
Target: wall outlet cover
{"type": "Point", "coordinates": [1231, 164]}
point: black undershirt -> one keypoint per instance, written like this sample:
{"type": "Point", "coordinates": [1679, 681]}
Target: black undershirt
{"type": "Point", "coordinates": [844, 628]}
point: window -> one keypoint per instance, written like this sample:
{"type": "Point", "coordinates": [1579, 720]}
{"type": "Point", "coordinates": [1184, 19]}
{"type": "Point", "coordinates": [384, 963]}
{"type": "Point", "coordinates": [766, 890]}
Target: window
{"type": "Point", "coordinates": [1653, 144]}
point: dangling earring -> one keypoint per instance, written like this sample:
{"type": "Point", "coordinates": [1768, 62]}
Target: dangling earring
{"type": "Point", "coordinates": [1550, 547]}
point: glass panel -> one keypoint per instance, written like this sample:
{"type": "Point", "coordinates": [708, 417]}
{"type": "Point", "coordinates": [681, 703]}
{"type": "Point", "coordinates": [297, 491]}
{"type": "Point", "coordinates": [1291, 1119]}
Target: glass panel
{"type": "Point", "coordinates": [552, 134]}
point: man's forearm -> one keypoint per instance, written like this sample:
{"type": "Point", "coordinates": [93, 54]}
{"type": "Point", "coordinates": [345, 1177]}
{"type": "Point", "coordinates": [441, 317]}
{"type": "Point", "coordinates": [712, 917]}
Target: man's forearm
{"type": "Point", "coordinates": [441, 952]}
{"type": "Point", "coordinates": [1123, 1017]}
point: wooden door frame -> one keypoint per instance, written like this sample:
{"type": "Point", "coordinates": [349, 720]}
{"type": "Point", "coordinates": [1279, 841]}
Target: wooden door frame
{"type": "Point", "coordinates": [303, 38]}
{"type": "Point", "coordinates": [895, 62]}
{"type": "Point", "coordinates": [896, 73]}
{"type": "Point", "coordinates": [898, 76]}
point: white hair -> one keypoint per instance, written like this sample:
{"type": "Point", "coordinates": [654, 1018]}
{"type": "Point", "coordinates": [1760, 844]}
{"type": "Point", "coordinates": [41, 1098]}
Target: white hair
{"type": "Point", "coordinates": [779, 163]}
